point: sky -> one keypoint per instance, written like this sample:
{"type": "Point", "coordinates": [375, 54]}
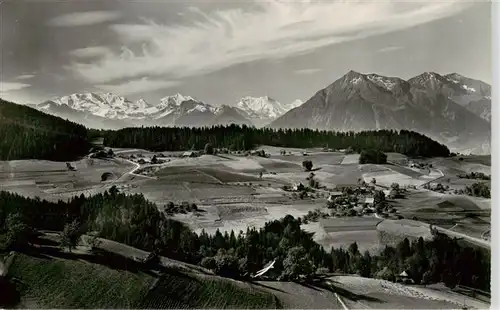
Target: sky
{"type": "Point", "coordinates": [220, 51]}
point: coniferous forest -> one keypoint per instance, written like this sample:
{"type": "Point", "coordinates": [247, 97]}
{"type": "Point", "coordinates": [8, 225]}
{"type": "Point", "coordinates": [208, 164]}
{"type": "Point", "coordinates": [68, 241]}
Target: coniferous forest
{"type": "Point", "coordinates": [26, 133]}
{"type": "Point", "coordinates": [245, 138]}
{"type": "Point", "coordinates": [133, 220]}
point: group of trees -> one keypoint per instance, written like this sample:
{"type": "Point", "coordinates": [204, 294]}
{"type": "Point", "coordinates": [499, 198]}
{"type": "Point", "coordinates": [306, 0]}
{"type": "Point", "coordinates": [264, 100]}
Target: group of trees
{"type": "Point", "coordinates": [372, 156]}
{"type": "Point", "coordinates": [132, 220]}
{"type": "Point", "coordinates": [26, 133]}
{"type": "Point", "coordinates": [478, 189]}
{"type": "Point", "coordinates": [236, 137]}
{"type": "Point", "coordinates": [475, 176]}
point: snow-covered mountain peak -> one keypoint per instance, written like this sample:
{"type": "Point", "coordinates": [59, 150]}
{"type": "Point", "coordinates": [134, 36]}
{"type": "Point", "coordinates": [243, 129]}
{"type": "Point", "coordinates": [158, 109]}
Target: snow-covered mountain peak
{"type": "Point", "coordinates": [176, 100]}
{"type": "Point", "coordinates": [261, 107]}
{"type": "Point", "coordinates": [382, 81]}
{"type": "Point", "coordinates": [296, 103]}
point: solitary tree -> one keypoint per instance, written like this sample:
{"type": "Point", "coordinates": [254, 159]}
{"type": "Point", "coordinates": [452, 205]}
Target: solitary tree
{"type": "Point", "coordinates": [209, 149]}
{"type": "Point", "coordinates": [93, 242]}
{"type": "Point", "coordinates": [18, 232]}
{"type": "Point", "coordinates": [296, 263]}
{"type": "Point", "coordinates": [307, 164]}
{"type": "Point", "coordinates": [71, 234]}
{"type": "Point", "coordinates": [427, 277]}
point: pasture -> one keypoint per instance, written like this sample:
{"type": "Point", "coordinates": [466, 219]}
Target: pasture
{"type": "Point", "coordinates": [393, 231]}
{"type": "Point", "coordinates": [342, 232]}
{"type": "Point", "coordinates": [184, 291]}
{"type": "Point", "coordinates": [445, 210]}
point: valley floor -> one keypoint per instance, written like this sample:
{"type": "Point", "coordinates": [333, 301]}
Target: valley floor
{"type": "Point", "coordinates": [231, 195]}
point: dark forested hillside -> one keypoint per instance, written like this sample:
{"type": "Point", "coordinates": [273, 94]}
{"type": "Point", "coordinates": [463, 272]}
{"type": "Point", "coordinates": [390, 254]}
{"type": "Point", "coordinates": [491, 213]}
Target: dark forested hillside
{"type": "Point", "coordinates": [26, 133]}
{"type": "Point", "coordinates": [133, 220]}
{"type": "Point", "coordinates": [244, 138]}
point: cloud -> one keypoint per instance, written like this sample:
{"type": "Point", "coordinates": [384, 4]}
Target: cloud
{"type": "Point", "coordinates": [307, 71]}
{"type": "Point", "coordinates": [25, 77]}
{"type": "Point", "coordinates": [84, 18]}
{"type": "Point", "coordinates": [10, 86]}
{"type": "Point", "coordinates": [90, 52]}
{"type": "Point", "coordinates": [273, 30]}
{"type": "Point", "coordinates": [389, 49]}
{"type": "Point", "coordinates": [137, 86]}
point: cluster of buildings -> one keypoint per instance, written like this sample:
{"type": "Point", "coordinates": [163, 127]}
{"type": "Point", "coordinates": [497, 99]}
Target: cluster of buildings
{"type": "Point", "coordinates": [360, 203]}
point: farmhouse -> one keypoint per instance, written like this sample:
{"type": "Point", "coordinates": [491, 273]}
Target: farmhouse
{"type": "Point", "coordinates": [400, 161]}
{"type": "Point", "coordinates": [189, 154]}
{"type": "Point", "coordinates": [298, 187]}
{"type": "Point", "coordinates": [403, 277]}
{"type": "Point", "coordinates": [70, 167]}
{"type": "Point", "coordinates": [358, 209]}
{"type": "Point", "coordinates": [334, 195]}
{"type": "Point", "coordinates": [340, 186]}
{"type": "Point", "coordinates": [369, 201]}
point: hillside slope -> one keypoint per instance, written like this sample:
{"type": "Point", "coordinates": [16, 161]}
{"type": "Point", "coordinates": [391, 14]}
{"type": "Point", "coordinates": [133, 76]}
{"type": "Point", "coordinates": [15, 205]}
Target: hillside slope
{"type": "Point", "coordinates": [72, 281]}
{"type": "Point", "coordinates": [26, 133]}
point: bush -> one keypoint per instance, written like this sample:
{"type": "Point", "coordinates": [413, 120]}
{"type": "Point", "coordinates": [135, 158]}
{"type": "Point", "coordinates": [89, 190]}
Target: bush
{"type": "Point", "coordinates": [307, 164]}
{"type": "Point", "coordinates": [372, 157]}
{"type": "Point", "coordinates": [106, 176]}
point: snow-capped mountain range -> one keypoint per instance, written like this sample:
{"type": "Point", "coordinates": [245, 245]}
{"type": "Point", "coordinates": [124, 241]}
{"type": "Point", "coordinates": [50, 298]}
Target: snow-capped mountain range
{"type": "Point", "coordinates": [451, 109]}
{"type": "Point", "coordinates": [108, 110]}
{"type": "Point", "coordinates": [264, 110]}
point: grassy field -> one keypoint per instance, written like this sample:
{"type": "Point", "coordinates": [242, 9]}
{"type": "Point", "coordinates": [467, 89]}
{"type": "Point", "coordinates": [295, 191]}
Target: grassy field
{"type": "Point", "coordinates": [47, 282]}
{"type": "Point", "coordinates": [57, 283]}
{"type": "Point", "coordinates": [444, 210]}
{"type": "Point", "coordinates": [231, 181]}
{"type": "Point", "coordinates": [297, 296]}
{"type": "Point", "coordinates": [406, 228]}
{"type": "Point", "coordinates": [342, 232]}
{"type": "Point", "coordinates": [349, 224]}
{"type": "Point", "coordinates": [190, 292]}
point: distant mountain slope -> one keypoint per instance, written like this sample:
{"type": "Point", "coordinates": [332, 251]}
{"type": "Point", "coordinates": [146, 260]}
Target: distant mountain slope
{"type": "Point", "coordinates": [26, 133]}
{"type": "Point", "coordinates": [426, 103]}
{"type": "Point", "coordinates": [474, 95]}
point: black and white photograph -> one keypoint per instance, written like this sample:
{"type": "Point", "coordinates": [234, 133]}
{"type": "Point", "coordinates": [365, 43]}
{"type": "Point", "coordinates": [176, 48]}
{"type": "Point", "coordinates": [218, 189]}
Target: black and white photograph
{"type": "Point", "coordinates": [247, 154]}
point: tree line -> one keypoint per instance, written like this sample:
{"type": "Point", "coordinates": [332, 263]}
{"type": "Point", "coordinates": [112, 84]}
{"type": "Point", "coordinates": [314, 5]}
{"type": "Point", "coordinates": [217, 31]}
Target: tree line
{"type": "Point", "coordinates": [237, 137]}
{"type": "Point", "coordinates": [26, 133]}
{"type": "Point", "coordinates": [132, 220]}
